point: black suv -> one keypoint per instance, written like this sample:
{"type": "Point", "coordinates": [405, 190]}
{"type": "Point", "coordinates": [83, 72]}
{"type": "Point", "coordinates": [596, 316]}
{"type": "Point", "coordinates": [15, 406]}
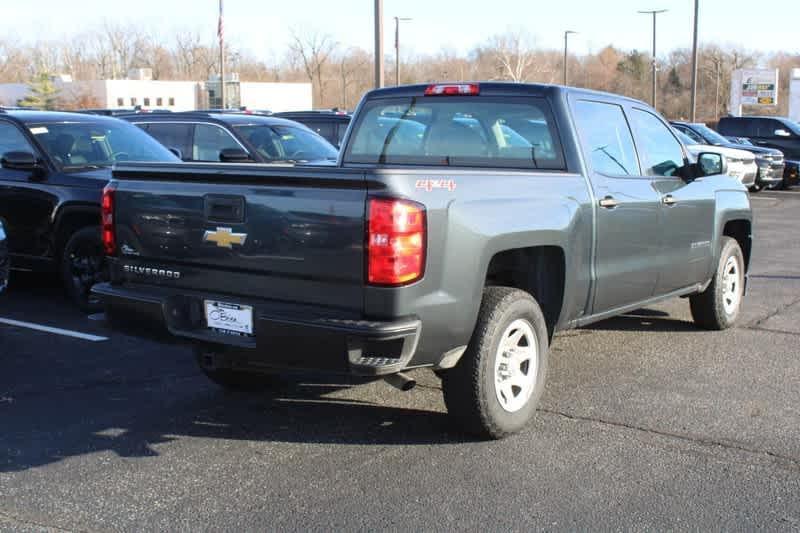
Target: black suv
{"type": "Point", "coordinates": [330, 124]}
{"type": "Point", "coordinates": [773, 132]}
{"type": "Point", "coordinates": [53, 167]}
{"type": "Point", "coordinates": [772, 170]}
{"type": "Point", "coordinates": [235, 137]}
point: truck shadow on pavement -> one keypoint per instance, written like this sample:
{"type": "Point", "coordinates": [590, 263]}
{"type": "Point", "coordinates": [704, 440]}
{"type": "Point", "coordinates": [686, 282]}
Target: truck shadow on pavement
{"type": "Point", "coordinates": [142, 420]}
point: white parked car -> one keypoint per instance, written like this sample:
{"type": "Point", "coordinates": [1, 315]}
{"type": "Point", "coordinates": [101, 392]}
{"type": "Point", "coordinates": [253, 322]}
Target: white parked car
{"type": "Point", "coordinates": [741, 163]}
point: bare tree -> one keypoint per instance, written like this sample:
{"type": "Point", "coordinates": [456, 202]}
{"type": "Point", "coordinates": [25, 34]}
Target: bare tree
{"type": "Point", "coordinates": [513, 54]}
{"type": "Point", "coordinates": [313, 52]}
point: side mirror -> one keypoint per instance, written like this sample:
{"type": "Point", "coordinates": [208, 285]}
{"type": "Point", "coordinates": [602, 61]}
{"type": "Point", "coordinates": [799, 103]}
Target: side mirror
{"type": "Point", "coordinates": [711, 164]}
{"type": "Point", "coordinates": [176, 152]}
{"type": "Point", "coordinates": [22, 161]}
{"type": "Point", "coordinates": [780, 132]}
{"type": "Point", "coordinates": [234, 155]}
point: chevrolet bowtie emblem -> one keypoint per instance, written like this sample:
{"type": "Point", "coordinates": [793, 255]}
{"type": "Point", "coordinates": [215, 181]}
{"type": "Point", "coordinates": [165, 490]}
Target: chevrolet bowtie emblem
{"type": "Point", "coordinates": [224, 237]}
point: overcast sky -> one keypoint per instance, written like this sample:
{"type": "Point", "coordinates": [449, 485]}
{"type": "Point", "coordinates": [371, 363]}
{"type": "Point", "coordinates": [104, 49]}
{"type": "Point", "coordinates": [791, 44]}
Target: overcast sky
{"type": "Point", "coordinates": [262, 26]}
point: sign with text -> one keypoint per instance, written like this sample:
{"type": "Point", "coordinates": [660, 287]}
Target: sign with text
{"type": "Point", "coordinates": [754, 87]}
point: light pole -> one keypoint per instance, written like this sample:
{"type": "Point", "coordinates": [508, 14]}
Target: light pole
{"type": "Point", "coordinates": [654, 12]}
{"type": "Point", "coordinates": [397, 21]}
{"type": "Point", "coordinates": [566, 42]}
{"type": "Point", "coordinates": [693, 113]}
{"type": "Point", "coordinates": [378, 44]}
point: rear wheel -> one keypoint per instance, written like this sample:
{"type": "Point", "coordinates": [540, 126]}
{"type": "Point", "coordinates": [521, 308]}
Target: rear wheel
{"type": "Point", "coordinates": [208, 356]}
{"type": "Point", "coordinates": [756, 188]}
{"type": "Point", "coordinates": [719, 305]}
{"type": "Point", "coordinates": [496, 386]}
{"type": "Point", "coordinates": [83, 264]}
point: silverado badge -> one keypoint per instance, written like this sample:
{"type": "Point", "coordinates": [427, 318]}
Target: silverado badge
{"type": "Point", "coordinates": [224, 237]}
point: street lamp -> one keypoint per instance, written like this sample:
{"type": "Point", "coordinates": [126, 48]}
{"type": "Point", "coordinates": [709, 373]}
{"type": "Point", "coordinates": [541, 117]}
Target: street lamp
{"type": "Point", "coordinates": [397, 21]}
{"type": "Point", "coordinates": [378, 44]}
{"type": "Point", "coordinates": [693, 112]}
{"type": "Point", "coordinates": [654, 12]}
{"type": "Point", "coordinates": [566, 36]}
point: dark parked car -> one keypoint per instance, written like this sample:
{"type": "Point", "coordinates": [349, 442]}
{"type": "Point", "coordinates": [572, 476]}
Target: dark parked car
{"type": "Point", "coordinates": [780, 133]}
{"type": "Point", "coordinates": [773, 132]}
{"type": "Point", "coordinates": [5, 262]}
{"type": "Point", "coordinates": [330, 124]}
{"type": "Point", "coordinates": [235, 137]}
{"type": "Point", "coordinates": [771, 163]}
{"type": "Point", "coordinates": [53, 169]}
{"type": "Point", "coordinates": [503, 214]}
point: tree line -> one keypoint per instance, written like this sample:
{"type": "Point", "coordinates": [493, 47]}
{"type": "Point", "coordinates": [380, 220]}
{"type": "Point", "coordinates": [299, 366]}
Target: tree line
{"type": "Point", "coordinates": [340, 74]}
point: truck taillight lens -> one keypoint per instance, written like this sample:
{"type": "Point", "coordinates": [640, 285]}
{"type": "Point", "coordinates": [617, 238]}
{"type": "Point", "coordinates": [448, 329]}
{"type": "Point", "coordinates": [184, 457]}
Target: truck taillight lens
{"type": "Point", "coordinates": [395, 241]}
{"type": "Point", "coordinates": [107, 220]}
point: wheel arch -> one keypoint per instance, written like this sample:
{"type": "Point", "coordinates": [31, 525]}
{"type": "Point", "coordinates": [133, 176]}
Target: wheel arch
{"type": "Point", "coordinates": [70, 219]}
{"type": "Point", "coordinates": [539, 270]}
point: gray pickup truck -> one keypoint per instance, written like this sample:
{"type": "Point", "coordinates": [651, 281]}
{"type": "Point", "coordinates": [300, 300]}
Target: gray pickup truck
{"type": "Point", "coordinates": [462, 226]}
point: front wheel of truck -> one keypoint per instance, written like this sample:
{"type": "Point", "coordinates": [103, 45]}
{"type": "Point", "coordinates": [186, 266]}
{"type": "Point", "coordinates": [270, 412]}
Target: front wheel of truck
{"type": "Point", "coordinates": [495, 388]}
{"type": "Point", "coordinates": [208, 357]}
{"type": "Point", "coordinates": [719, 305]}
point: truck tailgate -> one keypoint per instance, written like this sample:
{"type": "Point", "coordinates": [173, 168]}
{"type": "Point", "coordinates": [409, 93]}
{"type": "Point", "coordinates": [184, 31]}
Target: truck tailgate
{"type": "Point", "coordinates": [211, 227]}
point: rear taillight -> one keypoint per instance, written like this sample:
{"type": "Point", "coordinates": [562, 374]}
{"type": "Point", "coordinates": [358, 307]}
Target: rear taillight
{"type": "Point", "coordinates": [395, 241]}
{"type": "Point", "coordinates": [453, 89]}
{"type": "Point", "coordinates": [107, 220]}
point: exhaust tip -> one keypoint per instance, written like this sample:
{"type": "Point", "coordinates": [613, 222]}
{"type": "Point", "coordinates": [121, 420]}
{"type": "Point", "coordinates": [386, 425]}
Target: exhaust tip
{"type": "Point", "coordinates": [400, 381]}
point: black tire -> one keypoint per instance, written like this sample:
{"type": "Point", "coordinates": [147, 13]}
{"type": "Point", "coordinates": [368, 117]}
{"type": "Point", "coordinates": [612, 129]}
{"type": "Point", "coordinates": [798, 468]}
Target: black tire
{"type": "Point", "coordinates": [709, 307]}
{"type": "Point", "coordinates": [83, 264]}
{"type": "Point", "coordinates": [207, 355]}
{"type": "Point", "coordinates": [470, 390]}
{"type": "Point", "coordinates": [755, 188]}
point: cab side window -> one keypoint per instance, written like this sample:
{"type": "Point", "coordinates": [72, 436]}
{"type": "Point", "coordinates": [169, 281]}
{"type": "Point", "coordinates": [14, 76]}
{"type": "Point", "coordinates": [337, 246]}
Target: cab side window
{"type": "Point", "coordinates": [12, 140]}
{"type": "Point", "coordinates": [606, 138]}
{"type": "Point", "coordinates": [659, 150]}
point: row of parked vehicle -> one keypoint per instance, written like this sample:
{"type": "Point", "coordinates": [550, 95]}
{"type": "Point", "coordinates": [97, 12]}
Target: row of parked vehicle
{"type": "Point", "coordinates": [762, 152]}
{"type": "Point", "coordinates": [54, 165]}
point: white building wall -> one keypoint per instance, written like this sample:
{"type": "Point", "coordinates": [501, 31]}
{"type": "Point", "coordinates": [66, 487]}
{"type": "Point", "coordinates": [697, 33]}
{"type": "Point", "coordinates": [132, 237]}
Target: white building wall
{"type": "Point", "coordinates": [276, 96]}
{"type": "Point", "coordinates": [794, 95]}
{"type": "Point", "coordinates": [175, 95]}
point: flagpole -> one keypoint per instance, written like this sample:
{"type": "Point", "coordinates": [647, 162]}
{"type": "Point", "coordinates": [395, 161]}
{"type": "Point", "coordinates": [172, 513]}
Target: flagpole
{"type": "Point", "coordinates": [221, 35]}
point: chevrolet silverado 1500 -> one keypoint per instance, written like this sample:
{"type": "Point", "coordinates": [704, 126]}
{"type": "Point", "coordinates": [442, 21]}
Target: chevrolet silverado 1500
{"type": "Point", "coordinates": [462, 226]}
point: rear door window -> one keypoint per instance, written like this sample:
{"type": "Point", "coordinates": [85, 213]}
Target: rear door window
{"type": "Point", "coordinates": [659, 150]}
{"type": "Point", "coordinates": [457, 131]}
{"type": "Point", "coordinates": [606, 138]}
{"type": "Point", "coordinates": [173, 135]}
{"type": "Point", "coordinates": [210, 140]}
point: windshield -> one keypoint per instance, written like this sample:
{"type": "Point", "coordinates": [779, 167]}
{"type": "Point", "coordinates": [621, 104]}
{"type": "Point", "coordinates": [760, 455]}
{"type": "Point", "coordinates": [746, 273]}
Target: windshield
{"type": "Point", "coordinates": [685, 139]}
{"type": "Point", "coordinates": [76, 145]}
{"type": "Point", "coordinates": [287, 143]}
{"type": "Point", "coordinates": [457, 131]}
{"type": "Point", "coordinates": [711, 136]}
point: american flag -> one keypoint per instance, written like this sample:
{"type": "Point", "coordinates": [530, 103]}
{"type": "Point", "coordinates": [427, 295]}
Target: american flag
{"type": "Point", "coordinates": [220, 24]}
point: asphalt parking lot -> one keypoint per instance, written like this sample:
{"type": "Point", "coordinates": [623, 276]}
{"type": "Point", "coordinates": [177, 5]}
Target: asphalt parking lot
{"type": "Point", "coordinates": [647, 423]}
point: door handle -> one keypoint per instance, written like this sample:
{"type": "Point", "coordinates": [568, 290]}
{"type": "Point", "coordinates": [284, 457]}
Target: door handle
{"type": "Point", "coordinates": [608, 202]}
{"type": "Point", "coordinates": [669, 200]}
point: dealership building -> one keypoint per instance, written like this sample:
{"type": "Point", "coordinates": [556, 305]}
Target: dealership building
{"type": "Point", "coordinates": [139, 89]}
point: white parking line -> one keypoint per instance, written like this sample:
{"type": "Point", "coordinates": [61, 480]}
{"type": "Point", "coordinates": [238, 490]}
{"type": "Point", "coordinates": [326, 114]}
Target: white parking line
{"type": "Point", "coordinates": [56, 331]}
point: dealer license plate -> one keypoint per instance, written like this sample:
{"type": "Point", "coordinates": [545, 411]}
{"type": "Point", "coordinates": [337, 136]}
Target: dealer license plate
{"type": "Point", "coordinates": [229, 318]}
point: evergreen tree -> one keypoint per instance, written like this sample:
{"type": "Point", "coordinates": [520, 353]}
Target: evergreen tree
{"type": "Point", "coordinates": [43, 93]}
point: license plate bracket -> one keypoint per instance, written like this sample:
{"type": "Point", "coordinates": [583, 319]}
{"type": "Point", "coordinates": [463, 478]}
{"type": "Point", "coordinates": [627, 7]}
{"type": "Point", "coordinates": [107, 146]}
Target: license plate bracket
{"type": "Point", "coordinates": [229, 318]}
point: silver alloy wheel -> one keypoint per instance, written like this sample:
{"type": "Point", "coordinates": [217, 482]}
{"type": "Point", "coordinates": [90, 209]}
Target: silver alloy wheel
{"type": "Point", "coordinates": [731, 285]}
{"type": "Point", "coordinates": [516, 365]}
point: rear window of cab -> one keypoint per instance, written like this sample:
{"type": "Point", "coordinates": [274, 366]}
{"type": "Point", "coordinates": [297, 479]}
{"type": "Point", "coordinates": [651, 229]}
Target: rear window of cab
{"type": "Point", "coordinates": [511, 132]}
